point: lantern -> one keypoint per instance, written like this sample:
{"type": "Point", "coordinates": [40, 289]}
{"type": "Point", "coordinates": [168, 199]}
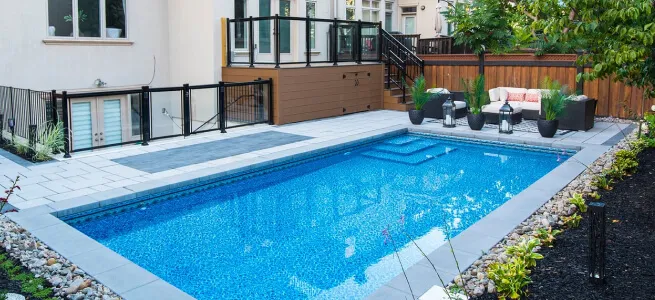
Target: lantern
{"type": "Point", "coordinates": [449, 113]}
{"type": "Point", "coordinates": [505, 124]}
{"type": "Point", "coordinates": [12, 123]}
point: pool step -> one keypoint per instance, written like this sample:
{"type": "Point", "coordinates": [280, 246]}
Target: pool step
{"type": "Point", "coordinates": [413, 160]}
{"type": "Point", "coordinates": [407, 148]}
{"type": "Point", "coordinates": [401, 140]}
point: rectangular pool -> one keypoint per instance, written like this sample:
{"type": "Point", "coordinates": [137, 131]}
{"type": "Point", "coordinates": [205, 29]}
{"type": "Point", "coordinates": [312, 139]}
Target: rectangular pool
{"type": "Point", "coordinates": [314, 229]}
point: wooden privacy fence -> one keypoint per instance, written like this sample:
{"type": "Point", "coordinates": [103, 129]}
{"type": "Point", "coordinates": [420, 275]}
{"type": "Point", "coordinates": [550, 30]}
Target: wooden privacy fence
{"type": "Point", "coordinates": [527, 70]}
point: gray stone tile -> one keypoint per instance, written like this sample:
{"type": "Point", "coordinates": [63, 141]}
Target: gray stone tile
{"type": "Point", "coordinates": [474, 241]}
{"type": "Point", "coordinates": [113, 196]}
{"type": "Point", "coordinates": [443, 259]}
{"type": "Point", "coordinates": [123, 171]}
{"type": "Point", "coordinates": [99, 261]}
{"type": "Point", "coordinates": [158, 289]}
{"type": "Point", "coordinates": [204, 152]}
{"type": "Point", "coordinates": [74, 205]}
{"type": "Point", "coordinates": [34, 191]}
{"type": "Point", "coordinates": [421, 278]}
{"type": "Point", "coordinates": [125, 278]}
{"type": "Point", "coordinates": [58, 185]}
{"type": "Point", "coordinates": [386, 292]}
{"type": "Point", "coordinates": [22, 205]}
{"type": "Point", "coordinates": [66, 240]}
{"type": "Point", "coordinates": [121, 183]}
{"type": "Point", "coordinates": [32, 223]}
{"type": "Point", "coordinates": [70, 195]}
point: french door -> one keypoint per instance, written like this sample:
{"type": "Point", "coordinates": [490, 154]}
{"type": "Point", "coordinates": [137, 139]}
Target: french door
{"type": "Point", "coordinates": [102, 121]}
{"type": "Point", "coordinates": [264, 30]}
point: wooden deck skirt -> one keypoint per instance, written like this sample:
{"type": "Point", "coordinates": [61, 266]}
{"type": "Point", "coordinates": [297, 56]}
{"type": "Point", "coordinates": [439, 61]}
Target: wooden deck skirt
{"type": "Point", "coordinates": [307, 93]}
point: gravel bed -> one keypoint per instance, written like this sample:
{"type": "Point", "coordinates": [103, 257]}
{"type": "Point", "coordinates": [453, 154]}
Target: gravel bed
{"type": "Point", "coordinates": [68, 281]}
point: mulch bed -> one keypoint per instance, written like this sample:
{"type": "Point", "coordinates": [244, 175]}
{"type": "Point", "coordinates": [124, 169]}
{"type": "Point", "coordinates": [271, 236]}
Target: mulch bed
{"type": "Point", "coordinates": [6, 145]}
{"type": "Point", "coordinates": [630, 268]}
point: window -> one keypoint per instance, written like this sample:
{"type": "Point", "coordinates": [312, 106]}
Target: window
{"type": "Point", "coordinates": [240, 32]}
{"type": "Point", "coordinates": [371, 10]}
{"type": "Point", "coordinates": [285, 26]}
{"type": "Point", "coordinates": [311, 13]}
{"type": "Point", "coordinates": [388, 16]}
{"type": "Point", "coordinates": [264, 27]}
{"type": "Point", "coordinates": [94, 18]}
{"type": "Point", "coordinates": [409, 24]}
{"type": "Point", "coordinates": [350, 10]}
{"type": "Point", "coordinates": [409, 10]}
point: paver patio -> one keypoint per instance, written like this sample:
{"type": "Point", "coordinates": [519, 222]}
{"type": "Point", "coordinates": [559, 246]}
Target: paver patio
{"type": "Point", "coordinates": [99, 171]}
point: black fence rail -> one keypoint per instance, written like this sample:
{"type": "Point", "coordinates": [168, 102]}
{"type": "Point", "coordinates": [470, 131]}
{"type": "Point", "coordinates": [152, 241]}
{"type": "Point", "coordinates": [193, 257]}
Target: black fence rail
{"type": "Point", "coordinates": [402, 64]}
{"type": "Point", "coordinates": [439, 45]}
{"type": "Point", "coordinates": [276, 40]}
{"type": "Point", "coordinates": [411, 41]}
{"type": "Point", "coordinates": [101, 119]}
{"type": "Point", "coordinates": [23, 112]}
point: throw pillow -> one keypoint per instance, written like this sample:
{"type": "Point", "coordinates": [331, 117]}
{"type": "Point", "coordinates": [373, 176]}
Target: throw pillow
{"type": "Point", "coordinates": [516, 97]}
{"type": "Point", "coordinates": [533, 97]}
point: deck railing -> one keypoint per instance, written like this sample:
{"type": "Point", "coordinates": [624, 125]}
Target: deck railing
{"type": "Point", "coordinates": [438, 45]}
{"type": "Point", "coordinates": [411, 41]}
{"type": "Point", "coordinates": [166, 112]}
{"type": "Point", "coordinates": [268, 41]}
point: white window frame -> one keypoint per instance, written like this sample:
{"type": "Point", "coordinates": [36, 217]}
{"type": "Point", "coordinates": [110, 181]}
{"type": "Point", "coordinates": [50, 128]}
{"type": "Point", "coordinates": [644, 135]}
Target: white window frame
{"type": "Point", "coordinates": [353, 7]}
{"type": "Point", "coordinates": [313, 24]}
{"type": "Point", "coordinates": [246, 30]}
{"type": "Point", "coordinates": [370, 9]}
{"type": "Point", "coordinates": [76, 27]}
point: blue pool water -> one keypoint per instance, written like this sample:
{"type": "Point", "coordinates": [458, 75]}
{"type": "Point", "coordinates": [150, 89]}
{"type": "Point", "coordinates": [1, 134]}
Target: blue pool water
{"type": "Point", "coordinates": [314, 230]}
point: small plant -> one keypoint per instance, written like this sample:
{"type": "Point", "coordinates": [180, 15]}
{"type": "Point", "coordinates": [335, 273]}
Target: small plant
{"type": "Point", "coordinates": [525, 251]}
{"type": "Point", "coordinates": [511, 278]}
{"type": "Point", "coordinates": [579, 202]}
{"type": "Point", "coordinates": [81, 17]}
{"type": "Point", "coordinates": [420, 96]}
{"type": "Point", "coordinates": [547, 236]}
{"type": "Point", "coordinates": [5, 200]}
{"type": "Point", "coordinates": [20, 148]}
{"type": "Point", "coordinates": [30, 285]}
{"type": "Point", "coordinates": [52, 140]}
{"type": "Point", "coordinates": [572, 221]}
{"type": "Point", "coordinates": [553, 101]}
{"type": "Point", "coordinates": [474, 94]}
{"type": "Point", "coordinates": [594, 196]}
{"type": "Point", "coordinates": [603, 181]}
{"type": "Point", "coordinates": [626, 161]}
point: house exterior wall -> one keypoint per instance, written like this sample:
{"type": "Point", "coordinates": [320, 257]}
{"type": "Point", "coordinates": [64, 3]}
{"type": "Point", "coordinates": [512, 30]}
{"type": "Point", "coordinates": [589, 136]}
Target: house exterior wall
{"type": "Point", "coordinates": [28, 62]}
{"type": "Point", "coordinates": [425, 18]}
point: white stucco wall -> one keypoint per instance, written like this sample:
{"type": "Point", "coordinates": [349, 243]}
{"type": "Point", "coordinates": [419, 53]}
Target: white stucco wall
{"type": "Point", "coordinates": [27, 62]}
{"type": "Point", "coordinates": [425, 19]}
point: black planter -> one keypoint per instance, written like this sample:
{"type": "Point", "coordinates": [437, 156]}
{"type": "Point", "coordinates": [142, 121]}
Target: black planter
{"type": "Point", "coordinates": [476, 122]}
{"type": "Point", "coordinates": [547, 128]}
{"type": "Point", "coordinates": [416, 116]}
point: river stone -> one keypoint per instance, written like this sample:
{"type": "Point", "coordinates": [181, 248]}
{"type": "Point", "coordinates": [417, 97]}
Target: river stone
{"type": "Point", "coordinates": [12, 296]}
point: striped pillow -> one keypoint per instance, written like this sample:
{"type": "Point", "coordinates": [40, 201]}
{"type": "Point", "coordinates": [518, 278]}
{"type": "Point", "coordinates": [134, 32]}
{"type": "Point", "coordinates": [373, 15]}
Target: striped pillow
{"type": "Point", "coordinates": [517, 97]}
{"type": "Point", "coordinates": [533, 97]}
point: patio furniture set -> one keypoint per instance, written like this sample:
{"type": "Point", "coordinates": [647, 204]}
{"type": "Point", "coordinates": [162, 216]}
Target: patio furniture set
{"type": "Point", "coordinates": [526, 104]}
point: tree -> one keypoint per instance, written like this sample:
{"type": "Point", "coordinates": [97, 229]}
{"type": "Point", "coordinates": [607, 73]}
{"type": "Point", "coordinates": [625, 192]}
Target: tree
{"type": "Point", "coordinates": [482, 25]}
{"type": "Point", "coordinates": [617, 36]}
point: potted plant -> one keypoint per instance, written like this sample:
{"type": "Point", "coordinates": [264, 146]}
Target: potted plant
{"type": "Point", "coordinates": [475, 98]}
{"type": "Point", "coordinates": [420, 96]}
{"type": "Point", "coordinates": [553, 103]}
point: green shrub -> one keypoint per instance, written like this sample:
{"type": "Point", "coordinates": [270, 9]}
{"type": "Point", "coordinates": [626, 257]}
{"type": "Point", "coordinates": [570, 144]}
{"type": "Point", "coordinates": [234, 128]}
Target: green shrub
{"type": "Point", "coordinates": [579, 202]}
{"type": "Point", "coordinates": [420, 96]}
{"type": "Point", "coordinates": [511, 278]}
{"type": "Point", "coordinates": [572, 221]}
{"type": "Point", "coordinates": [625, 161]}
{"type": "Point", "coordinates": [547, 237]}
{"type": "Point", "coordinates": [603, 181]}
{"type": "Point", "coordinates": [525, 251]}
{"type": "Point", "coordinates": [553, 101]}
{"type": "Point", "coordinates": [51, 138]}
{"type": "Point", "coordinates": [474, 94]}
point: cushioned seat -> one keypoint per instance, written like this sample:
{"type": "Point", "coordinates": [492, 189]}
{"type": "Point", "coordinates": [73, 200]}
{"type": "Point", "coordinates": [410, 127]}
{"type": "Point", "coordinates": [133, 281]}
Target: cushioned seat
{"type": "Point", "coordinates": [491, 113]}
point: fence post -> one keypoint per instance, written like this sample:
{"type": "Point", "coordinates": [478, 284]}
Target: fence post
{"type": "Point", "coordinates": [11, 120]}
{"type": "Point", "coordinates": [358, 46]}
{"type": "Point", "coordinates": [308, 42]}
{"type": "Point", "coordinates": [276, 30]}
{"type": "Point", "coordinates": [579, 85]}
{"type": "Point", "coordinates": [597, 242]}
{"type": "Point", "coordinates": [2, 128]}
{"type": "Point", "coordinates": [270, 102]}
{"type": "Point", "coordinates": [145, 115]}
{"type": "Point", "coordinates": [251, 43]}
{"type": "Point", "coordinates": [379, 43]}
{"type": "Point", "coordinates": [221, 106]}
{"type": "Point", "coordinates": [64, 109]}
{"type": "Point", "coordinates": [53, 98]}
{"type": "Point", "coordinates": [228, 42]}
{"type": "Point", "coordinates": [481, 64]}
{"type": "Point", "coordinates": [186, 103]}
{"type": "Point", "coordinates": [335, 36]}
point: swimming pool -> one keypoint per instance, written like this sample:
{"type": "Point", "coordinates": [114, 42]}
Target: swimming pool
{"type": "Point", "coordinates": [314, 230]}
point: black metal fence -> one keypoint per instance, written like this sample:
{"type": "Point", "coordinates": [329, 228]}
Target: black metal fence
{"type": "Point", "coordinates": [23, 111]}
{"type": "Point", "coordinates": [96, 120]}
{"type": "Point", "coordinates": [269, 40]}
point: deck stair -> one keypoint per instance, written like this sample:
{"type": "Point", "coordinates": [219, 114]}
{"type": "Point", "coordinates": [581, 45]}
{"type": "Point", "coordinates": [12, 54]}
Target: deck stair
{"type": "Point", "coordinates": [402, 66]}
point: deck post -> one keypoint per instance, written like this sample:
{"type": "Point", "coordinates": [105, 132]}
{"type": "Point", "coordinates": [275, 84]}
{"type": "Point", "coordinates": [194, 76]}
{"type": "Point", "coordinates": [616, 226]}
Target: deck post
{"type": "Point", "coordinates": [270, 102]}
{"type": "Point", "coordinates": [221, 106]}
{"type": "Point", "coordinates": [251, 43]}
{"type": "Point", "coordinates": [358, 45]}
{"type": "Point", "coordinates": [145, 115]}
{"type": "Point", "coordinates": [308, 42]}
{"type": "Point", "coordinates": [379, 43]}
{"type": "Point", "coordinates": [64, 109]}
{"type": "Point", "coordinates": [276, 32]}
{"type": "Point", "coordinates": [229, 42]}
{"type": "Point", "coordinates": [186, 104]}
{"type": "Point", "coordinates": [335, 36]}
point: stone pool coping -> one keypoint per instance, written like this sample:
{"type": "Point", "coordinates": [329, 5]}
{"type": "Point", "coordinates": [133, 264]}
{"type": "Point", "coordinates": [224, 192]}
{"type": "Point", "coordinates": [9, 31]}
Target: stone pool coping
{"type": "Point", "coordinates": [133, 282]}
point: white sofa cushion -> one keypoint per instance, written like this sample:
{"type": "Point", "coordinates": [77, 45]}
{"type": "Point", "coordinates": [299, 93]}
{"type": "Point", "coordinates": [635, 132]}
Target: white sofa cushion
{"type": "Point", "coordinates": [505, 90]}
{"type": "Point", "coordinates": [531, 106]}
{"type": "Point", "coordinates": [495, 107]}
{"type": "Point", "coordinates": [438, 91]}
{"type": "Point", "coordinates": [578, 97]}
{"type": "Point", "coordinates": [494, 95]}
{"type": "Point", "coordinates": [460, 104]}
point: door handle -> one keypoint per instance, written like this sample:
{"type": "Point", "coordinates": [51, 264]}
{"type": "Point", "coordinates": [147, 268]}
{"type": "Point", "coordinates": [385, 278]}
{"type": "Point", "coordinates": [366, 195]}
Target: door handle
{"type": "Point", "coordinates": [96, 139]}
{"type": "Point", "coordinates": [101, 133]}
{"type": "Point", "coordinates": [96, 134]}
{"type": "Point", "coordinates": [102, 139]}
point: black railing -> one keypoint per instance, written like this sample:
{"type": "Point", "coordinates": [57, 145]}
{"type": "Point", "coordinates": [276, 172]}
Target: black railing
{"type": "Point", "coordinates": [24, 111]}
{"type": "Point", "coordinates": [439, 45]}
{"type": "Point", "coordinates": [158, 113]}
{"type": "Point", "coordinates": [320, 41]}
{"type": "Point", "coordinates": [411, 41]}
{"type": "Point", "coordinates": [402, 64]}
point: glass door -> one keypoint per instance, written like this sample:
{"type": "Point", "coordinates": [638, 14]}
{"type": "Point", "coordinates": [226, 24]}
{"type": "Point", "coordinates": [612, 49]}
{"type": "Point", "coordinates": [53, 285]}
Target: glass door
{"type": "Point", "coordinates": [83, 123]}
{"type": "Point", "coordinates": [97, 122]}
{"type": "Point", "coordinates": [110, 121]}
{"type": "Point", "coordinates": [265, 33]}
{"type": "Point", "coordinates": [285, 27]}
{"type": "Point", "coordinates": [409, 24]}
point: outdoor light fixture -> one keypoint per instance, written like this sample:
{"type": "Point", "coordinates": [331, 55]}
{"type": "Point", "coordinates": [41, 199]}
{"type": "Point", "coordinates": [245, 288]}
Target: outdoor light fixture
{"type": "Point", "coordinates": [422, 7]}
{"type": "Point", "coordinates": [505, 124]}
{"type": "Point", "coordinates": [597, 242]}
{"type": "Point", "coordinates": [11, 122]}
{"type": "Point", "coordinates": [449, 113]}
